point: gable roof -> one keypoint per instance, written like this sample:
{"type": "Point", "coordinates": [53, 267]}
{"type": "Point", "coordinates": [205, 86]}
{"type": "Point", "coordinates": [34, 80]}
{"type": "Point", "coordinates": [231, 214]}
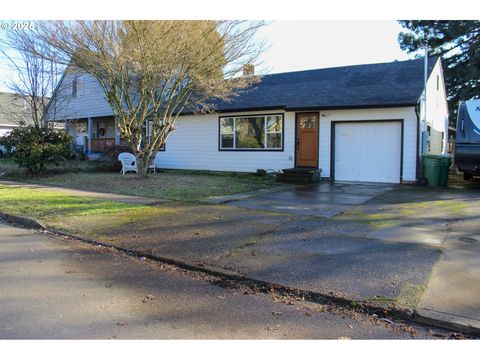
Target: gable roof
{"type": "Point", "coordinates": [394, 84]}
{"type": "Point", "coordinates": [398, 83]}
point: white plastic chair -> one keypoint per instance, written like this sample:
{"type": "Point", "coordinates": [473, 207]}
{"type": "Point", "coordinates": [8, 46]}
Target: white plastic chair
{"type": "Point", "coordinates": [128, 162]}
{"type": "Point", "coordinates": [152, 164]}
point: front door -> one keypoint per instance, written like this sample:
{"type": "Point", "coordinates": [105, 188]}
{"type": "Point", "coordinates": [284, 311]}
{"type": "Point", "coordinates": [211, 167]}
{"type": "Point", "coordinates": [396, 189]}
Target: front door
{"type": "Point", "coordinates": [307, 140]}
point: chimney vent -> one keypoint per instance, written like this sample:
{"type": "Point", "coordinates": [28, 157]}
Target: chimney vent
{"type": "Point", "coordinates": [248, 70]}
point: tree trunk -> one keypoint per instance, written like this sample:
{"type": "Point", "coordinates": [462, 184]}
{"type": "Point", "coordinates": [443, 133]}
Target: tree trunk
{"type": "Point", "coordinates": [142, 166]}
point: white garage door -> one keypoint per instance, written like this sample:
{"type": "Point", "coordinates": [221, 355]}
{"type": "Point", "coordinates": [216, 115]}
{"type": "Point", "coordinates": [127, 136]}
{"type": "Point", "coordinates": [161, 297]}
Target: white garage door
{"type": "Point", "coordinates": [368, 151]}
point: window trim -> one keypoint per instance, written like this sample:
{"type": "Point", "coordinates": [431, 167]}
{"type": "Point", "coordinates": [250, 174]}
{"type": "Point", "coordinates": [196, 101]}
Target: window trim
{"type": "Point", "coordinates": [281, 149]}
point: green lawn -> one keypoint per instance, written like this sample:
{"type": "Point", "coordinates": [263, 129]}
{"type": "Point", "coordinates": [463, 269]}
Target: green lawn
{"type": "Point", "coordinates": [171, 185]}
{"type": "Point", "coordinates": [179, 185]}
{"type": "Point", "coordinates": [43, 204]}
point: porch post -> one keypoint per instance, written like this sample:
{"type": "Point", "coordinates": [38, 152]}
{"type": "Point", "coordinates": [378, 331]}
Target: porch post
{"type": "Point", "coordinates": [90, 134]}
{"type": "Point", "coordinates": [117, 133]}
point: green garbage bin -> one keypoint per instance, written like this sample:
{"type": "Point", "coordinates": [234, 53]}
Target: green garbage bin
{"type": "Point", "coordinates": [431, 169]}
{"type": "Point", "coordinates": [445, 162]}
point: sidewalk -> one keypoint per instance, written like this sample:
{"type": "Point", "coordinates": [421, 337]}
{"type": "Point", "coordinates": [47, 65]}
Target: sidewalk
{"type": "Point", "coordinates": [453, 294]}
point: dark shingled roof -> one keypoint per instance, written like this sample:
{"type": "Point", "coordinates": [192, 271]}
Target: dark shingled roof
{"type": "Point", "coordinates": [398, 83]}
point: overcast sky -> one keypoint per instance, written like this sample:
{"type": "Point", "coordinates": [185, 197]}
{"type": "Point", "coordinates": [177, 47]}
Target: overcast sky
{"type": "Point", "coordinates": [300, 45]}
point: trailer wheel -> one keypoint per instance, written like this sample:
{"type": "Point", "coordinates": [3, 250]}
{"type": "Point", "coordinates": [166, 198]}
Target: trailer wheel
{"type": "Point", "coordinates": [467, 176]}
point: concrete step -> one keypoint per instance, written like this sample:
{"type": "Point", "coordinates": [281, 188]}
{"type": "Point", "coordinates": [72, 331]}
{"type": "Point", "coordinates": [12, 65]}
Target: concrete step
{"type": "Point", "coordinates": [300, 175]}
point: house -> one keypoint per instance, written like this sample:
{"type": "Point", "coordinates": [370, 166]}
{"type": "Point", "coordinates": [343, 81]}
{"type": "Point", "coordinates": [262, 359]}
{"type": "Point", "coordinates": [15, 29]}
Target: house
{"type": "Point", "coordinates": [12, 113]}
{"type": "Point", "coordinates": [355, 123]}
{"type": "Point", "coordinates": [15, 111]}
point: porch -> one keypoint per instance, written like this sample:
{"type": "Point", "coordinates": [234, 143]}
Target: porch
{"type": "Point", "coordinates": [95, 135]}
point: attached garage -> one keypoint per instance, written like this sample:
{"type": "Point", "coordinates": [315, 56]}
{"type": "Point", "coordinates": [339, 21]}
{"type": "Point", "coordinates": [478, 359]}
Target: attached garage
{"type": "Point", "coordinates": [369, 151]}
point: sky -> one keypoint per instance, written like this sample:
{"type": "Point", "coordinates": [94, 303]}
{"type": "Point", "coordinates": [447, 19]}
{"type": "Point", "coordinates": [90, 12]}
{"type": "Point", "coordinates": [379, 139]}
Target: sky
{"type": "Point", "coordinates": [300, 45]}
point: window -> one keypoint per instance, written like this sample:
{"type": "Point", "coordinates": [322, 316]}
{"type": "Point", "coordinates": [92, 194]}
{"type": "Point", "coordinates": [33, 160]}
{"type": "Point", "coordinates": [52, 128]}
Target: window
{"type": "Point", "coordinates": [438, 82]}
{"type": "Point", "coordinates": [74, 87]}
{"type": "Point", "coordinates": [256, 132]}
{"type": "Point", "coordinates": [149, 131]}
{"type": "Point", "coordinates": [308, 122]}
{"type": "Point", "coordinates": [77, 86]}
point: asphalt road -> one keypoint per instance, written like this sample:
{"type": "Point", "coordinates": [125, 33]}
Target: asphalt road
{"type": "Point", "coordinates": [55, 288]}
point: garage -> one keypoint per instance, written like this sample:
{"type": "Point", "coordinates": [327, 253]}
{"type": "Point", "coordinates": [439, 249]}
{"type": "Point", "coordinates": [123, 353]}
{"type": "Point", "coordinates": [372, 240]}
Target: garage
{"type": "Point", "coordinates": [369, 151]}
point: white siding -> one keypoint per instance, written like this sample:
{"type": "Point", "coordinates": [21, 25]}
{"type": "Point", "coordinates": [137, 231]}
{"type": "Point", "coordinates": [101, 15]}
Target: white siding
{"type": "Point", "coordinates": [5, 130]}
{"type": "Point", "coordinates": [89, 102]}
{"type": "Point", "coordinates": [437, 109]}
{"type": "Point", "coordinates": [409, 134]}
{"type": "Point", "coordinates": [194, 145]}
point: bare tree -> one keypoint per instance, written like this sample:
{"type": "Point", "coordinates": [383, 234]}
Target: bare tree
{"type": "Point", "coordinates": [153, 70]}
{"type": "Point", "coordinates": [33, 84]}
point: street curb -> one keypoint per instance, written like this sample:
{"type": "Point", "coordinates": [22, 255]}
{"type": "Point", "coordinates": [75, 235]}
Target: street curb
{"type": "Point", "coordinates": [420, 316]}
{"type": "Point", "coordinates": [22, 220]}
{"type": "Point", "coordinates": [443, 320]}
{"type": "Point", "coordinates": [262, 285]}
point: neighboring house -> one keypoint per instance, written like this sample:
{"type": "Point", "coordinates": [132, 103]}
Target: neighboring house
{"type": "Point", "coordinates": [356, 123]}
{"type": "Point", "coordinates": [12, 112]}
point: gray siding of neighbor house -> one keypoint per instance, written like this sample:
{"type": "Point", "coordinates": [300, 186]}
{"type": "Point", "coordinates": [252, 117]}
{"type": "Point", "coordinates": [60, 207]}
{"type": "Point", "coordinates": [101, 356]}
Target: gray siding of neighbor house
{"type": "Point", "coordinates": [12, 110]}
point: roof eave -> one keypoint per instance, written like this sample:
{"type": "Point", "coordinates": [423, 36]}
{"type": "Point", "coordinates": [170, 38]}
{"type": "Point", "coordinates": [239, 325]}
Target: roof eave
{"type": "Point", "coordinates": [350, 107]}
{"type": "Point", "coordinates": [308, 108]}
{"type": "Point", "coordinates": [235, 110]}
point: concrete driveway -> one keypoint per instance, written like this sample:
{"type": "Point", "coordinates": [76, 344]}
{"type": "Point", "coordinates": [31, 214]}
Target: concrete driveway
{"type": "Point", "coordinates": [322, 199]}
{"type": "Point", "coordinates": [290, 237]}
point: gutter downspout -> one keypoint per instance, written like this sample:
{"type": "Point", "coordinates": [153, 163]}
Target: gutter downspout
{"type": "Point", "coordinates": [418, 170]}
{"type": "Point", "coordinates": [424, 117]}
